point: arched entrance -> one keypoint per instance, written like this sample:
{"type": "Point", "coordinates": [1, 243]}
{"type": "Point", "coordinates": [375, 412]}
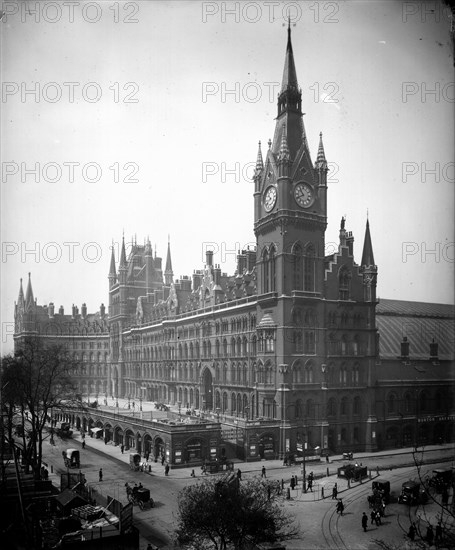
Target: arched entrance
{"type": "Point", "coordinates": [207, 390]}
{"type": "Point", "coordinates": [147, 444]}
{"type": "Point", "coordinates": [129, 440]}
{"type": "Point", "coordinates": [159, 448]}
{"type": "Point", "coordinates": [118, 436]}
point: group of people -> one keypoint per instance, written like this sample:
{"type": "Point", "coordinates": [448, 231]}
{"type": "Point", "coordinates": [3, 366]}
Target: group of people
{"type": "Point", "coordinates": [430, 536]}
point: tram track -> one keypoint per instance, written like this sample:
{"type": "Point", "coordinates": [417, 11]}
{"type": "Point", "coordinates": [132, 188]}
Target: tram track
{"type": "Point", "coordinates": [333, 536]}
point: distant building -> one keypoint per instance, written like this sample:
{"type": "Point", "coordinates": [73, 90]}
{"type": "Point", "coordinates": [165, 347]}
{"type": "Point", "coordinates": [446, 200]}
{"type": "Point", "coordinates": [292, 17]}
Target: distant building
{"type": "Point", "coordinates": [294, 348]}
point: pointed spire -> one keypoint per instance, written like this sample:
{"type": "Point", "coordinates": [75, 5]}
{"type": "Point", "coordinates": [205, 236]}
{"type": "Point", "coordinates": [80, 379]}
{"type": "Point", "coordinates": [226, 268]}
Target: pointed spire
{"type": "Point", "coordinates": [20, 299]}
{"type": "Point", "coordinates": [29, 299]}
{"type": "Point", "coordinates": [367, 254]}
{"type": "Point", "coordinates": [283, 154]}
{"type": "Point", "coordinates": [321, 162]}
{"type": "Point", "coordinates": [259, 162]}
{"type": "Point", "coordinates": [122, 264]}
{"type": "Point", "coordinates": [289, 73]}
{"type": "Point", "coordinates": [168, 273]}
{"type": "Point", "coordinates": [112, 266]}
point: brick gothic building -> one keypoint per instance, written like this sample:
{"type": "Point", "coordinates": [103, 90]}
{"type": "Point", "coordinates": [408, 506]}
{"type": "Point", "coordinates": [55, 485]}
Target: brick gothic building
{"type": "Point", "coordinates": [288, 347]}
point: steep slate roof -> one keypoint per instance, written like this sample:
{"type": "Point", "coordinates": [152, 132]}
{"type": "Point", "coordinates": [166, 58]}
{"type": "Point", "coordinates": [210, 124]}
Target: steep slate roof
{"type": "Point", "coordinates": [420, 322]}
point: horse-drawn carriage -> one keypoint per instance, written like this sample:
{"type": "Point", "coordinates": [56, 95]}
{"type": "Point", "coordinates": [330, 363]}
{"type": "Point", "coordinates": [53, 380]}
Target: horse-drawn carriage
{"type": "Point", "coordinates": [380, 496]}
{"type": "Point", "coordinates": [139, 496]}
{"type": "Point", "coordinates": [71, 458]}
{"type": "Point", "coordinates": [135, 462]}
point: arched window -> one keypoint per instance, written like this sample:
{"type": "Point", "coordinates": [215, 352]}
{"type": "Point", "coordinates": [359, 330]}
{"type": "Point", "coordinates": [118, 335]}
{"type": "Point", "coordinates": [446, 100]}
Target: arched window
{"type": "Point", "coordinates": [309, 268]}
{"type": "Point", "coordinates": [297, 264]}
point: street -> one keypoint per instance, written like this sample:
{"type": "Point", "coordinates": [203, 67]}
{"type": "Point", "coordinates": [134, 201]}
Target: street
{"type": "Point", "coordinates": [320, 526]}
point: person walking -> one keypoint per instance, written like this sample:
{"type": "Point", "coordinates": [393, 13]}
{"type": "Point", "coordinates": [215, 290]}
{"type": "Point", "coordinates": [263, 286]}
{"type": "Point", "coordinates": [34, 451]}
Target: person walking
{"type": "Point", "coordinates": [340, 507]}
{"type": "Point", "coordinates": [335, 491]}
{"type": "Point", "coordinates": [373, 516]}
{"type": "Point", "coordinates": [166, 469]}
{"type": "Point", "coordinates": [83, 443]}
{"type": "Point", "coordinates": [377, 517]}
{"type": "Point", "coordinates": [438, 533]}
{"type": "Point", "coordinates": [239, 475]}
{"type": "Point", "coordinates": [100, 474]}
{"type": "Point", "coordinates": [263, 472]}
{"type": "Point", "coordinates": [122, 448]}
{"type": "Point", "coordinates": [364, 522]}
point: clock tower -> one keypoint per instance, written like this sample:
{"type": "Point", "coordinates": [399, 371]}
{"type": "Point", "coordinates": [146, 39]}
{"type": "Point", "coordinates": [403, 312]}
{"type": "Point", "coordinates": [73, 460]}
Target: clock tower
{"type": "Point", "coordinates": [290, 201]}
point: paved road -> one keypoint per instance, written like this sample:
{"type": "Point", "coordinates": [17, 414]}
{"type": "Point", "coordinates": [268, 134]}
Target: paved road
{"type": "Point", "coordinates": [321, 528]}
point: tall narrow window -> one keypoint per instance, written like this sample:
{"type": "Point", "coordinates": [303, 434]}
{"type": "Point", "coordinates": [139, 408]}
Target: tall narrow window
{"type": "Point", "coordinates": [272, 261]}
{"type": "Point", "coordinates": [344, 278]}
{"type": "Point", "coordinates": [297, 264]}
{"type": "Point", "coordinates": [309, 267]}
{"type": "Point", "coordinates": [265, 271]}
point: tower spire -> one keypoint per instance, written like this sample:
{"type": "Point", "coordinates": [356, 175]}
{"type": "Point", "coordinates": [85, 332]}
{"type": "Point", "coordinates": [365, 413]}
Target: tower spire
{"type": "Point", "coordinates": [259, 162]}
{"type": "Point", "coordinates": [29, 299]}
{"type": "Point", "coordinates": [122, 263]}
{"type": "Point", "coordinates": [321, 162]}
{"type": "Point", "coordinates": [20, 299]}
{"type": "Point", "coordinates": [112, 273]}
{"type": "Point", "coordinates": [289, 117]}
{"type": "Point", "coordinates": [367, 255]}
{"type": "Point", "coordinates": [168, 273]}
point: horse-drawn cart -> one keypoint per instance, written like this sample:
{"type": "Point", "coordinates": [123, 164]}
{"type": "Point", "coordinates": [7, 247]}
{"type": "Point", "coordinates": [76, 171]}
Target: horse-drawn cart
{"type": "Point", "coordinates": [139, 496]}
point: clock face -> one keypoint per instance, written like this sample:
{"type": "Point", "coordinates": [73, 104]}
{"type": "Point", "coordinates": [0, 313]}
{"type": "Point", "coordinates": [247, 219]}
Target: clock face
{"type": "Point", "coordinates": [270, 198]}
{"type": "Point", "coordinates": [303, 195]}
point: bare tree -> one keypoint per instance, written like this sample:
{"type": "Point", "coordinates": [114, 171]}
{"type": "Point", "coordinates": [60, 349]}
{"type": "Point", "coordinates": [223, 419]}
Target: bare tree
{"type": "Point", "coordinates": [223, 513]}
{"type": "Point", "coordinates": [39, 378]}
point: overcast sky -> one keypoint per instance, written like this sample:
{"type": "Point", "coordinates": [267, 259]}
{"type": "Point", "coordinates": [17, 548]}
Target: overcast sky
{"type": "Point", "coordinates": [146, 120]}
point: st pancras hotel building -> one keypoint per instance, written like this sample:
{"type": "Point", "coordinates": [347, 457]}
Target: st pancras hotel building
{"type": "Point", "coordinates": [292, 351]}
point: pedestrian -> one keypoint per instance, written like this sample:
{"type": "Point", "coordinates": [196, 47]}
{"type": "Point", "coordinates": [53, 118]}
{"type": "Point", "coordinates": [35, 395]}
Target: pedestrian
{"type": "Point", "coordinates": [122, 447]}
{"type": "Point", "coordinates": [377, 518]}
{"type": "Point", "coordinates": [335, 492]}
{"type": "Point", "coordinates": [373, 516]}
{"type": "Point", "coordinates": [162, 460]}
{"type": "Point", "coordinates": [412, 531]}
{"type": "Point", "coordinates": [364, 522]}
{"type": "Point", "coordinates": [263, 472]}
{"type": "Point", "coordinates": [340, 507]}
{"type": "Point", "coordinates": [100, 474]}
{"type": "Point", "coordinates": [327, 459]}
{"type": "Point", "coordinates": [438, 532]}
{"type": "Point", "coordinates": [292, 482]}
{"type": "Point", "coordinates": [192, 473]}
{"type": "Point", "coordinates": [430, 535]}
{"type": "Point", "coordinates": [83, 443]}
{"type": "Point", "coordinates": [310, 484]}
{"type": "Point", "coordinates": [239, 475]}
{"type": "Point", "coordinates": [166, 470]}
